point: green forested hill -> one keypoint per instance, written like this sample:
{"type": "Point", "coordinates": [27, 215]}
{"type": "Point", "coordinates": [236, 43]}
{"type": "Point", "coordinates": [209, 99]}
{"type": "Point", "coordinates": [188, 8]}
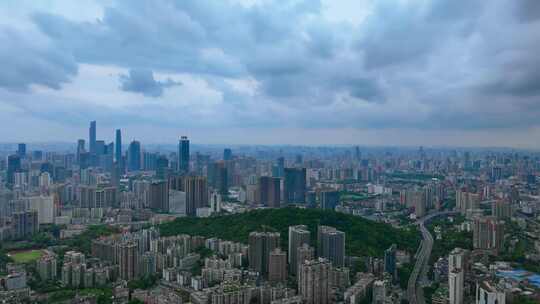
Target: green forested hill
{"type": "Point", "coordinates": [363, 237]}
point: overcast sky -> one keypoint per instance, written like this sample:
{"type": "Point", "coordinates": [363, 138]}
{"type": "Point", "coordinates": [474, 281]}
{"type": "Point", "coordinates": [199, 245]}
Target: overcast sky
{"type": "Point", "coordinates": [379, 72]}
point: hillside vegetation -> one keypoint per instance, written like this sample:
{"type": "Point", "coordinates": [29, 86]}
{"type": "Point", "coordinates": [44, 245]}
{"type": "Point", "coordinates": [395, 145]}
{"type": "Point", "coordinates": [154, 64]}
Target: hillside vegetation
{"type": "Point", "coordinates": [363, 237]}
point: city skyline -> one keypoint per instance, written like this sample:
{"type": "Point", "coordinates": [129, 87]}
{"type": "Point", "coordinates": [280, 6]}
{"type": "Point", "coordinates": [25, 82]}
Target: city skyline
{"type": "Point", "coordinates": [347, 72]}
{"type": "Point", "coordinates": [270, 151]}
{"type": "Point", "coordinates": [111, 135]}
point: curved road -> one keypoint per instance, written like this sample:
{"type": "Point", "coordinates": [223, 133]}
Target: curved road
{"type": "Point", "coordinates": [415, 291]}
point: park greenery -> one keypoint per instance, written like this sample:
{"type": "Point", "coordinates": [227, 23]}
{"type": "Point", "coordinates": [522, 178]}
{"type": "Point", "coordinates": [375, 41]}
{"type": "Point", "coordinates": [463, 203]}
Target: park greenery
{"type": "Point", "coordinates": [143, 283]}
{"type": "Point", "coordinates": [524, 300]}
{"type": "Point", "coordinates": [517, 246]}
{"type": "Point", "coordinates": [451, 238]}
{"type": "Point", "coordinates": [103, 295]}
{"type": "Point", "coordinates": [404, 272]}
{"type": "Point", "coordinates": [83, 241]}
{"type": "Point", "coordinates": [429, 291]}
{"type": "Point", "coordinates": [363, 237]}
{"type": "Point", "coordinates": [4, 259]}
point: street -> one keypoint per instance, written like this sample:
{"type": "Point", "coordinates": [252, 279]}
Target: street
{"type": "Point", "coordinates": [415, 289]}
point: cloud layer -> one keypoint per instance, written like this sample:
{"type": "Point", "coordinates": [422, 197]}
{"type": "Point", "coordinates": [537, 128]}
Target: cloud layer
{"type": "Point", "coordinates": [434, 64]}
{"type": "Point", "coordinates": [142, 81]}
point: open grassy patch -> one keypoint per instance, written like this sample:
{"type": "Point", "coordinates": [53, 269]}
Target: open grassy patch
{"type": "Point", "coordinates": [25, 257]}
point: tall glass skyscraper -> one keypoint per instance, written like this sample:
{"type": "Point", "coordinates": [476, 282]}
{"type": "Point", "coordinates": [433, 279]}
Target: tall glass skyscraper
{"type": "Point", "coordinates": [183, 154]}
{"type": "Point", "coordinates": [118, 147]}
{"type": "Point", "coordinates": [294, 185]}
{"type": "Point", "coordinates": [92, 137]}
{"type": "Point", "coordinates": [134, 156]}
{"type": "Point", "coordinates": [13, 165]}
{"type": "Point", "coordinates": [21, 150]}
{"type": "Point", "coordinates": [227, 154]}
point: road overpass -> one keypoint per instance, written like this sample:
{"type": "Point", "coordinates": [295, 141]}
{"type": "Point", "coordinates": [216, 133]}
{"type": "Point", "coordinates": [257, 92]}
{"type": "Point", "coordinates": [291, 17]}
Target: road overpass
{"type": "Point", "coordinates": [415, 290]}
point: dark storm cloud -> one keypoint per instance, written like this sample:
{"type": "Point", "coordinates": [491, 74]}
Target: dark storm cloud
{"type": "Point", "coordinates": [142, 81]}
{"type": "Point", "coordinates": [528, 10]}
{"type": "Point", "coordinates": [407, 32]}
{"type": "Point", "coordinates": [25, 61]}
{"type": "Point", "coordinates": [424, 64]}
{"type": "Point", "coordinates": [524, 82]}
{"type": "Point", "coordinates": [266, 41]}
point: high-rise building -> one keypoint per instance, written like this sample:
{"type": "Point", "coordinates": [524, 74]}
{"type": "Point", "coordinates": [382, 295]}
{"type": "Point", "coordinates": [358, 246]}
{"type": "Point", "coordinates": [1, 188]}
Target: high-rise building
{"type": "Point", "coordinates": [134, 156]}
{"type": "Point", "coordinates": [118, 148]}
{"type": "Point", "coordinates": [314, 281]}
{"type": "Point", "coordinates": [92, 137]}
{"type": "Point", "coordinates": [455, 286]}
{"type": "Point", "coordinates": [294, 186]}
{"type": "Point", "coordinates": [128, 260]}
{"type": "Point", "coordinates": [277, 266]}
{"type": "Point", "coordinates": [466, 201]}
{"type": "Point", "coordinates": [183, 154]}
{"type": "Point", "coordinates": [488, 233]}
{"type": "Point", "coordinates": [278, 170]}
{"type": "Point", "coordinates": [106, 159]}
{"type": "Point", "coordinates": [390, 261]}
{"type": "Point", "coordinates": [269, 191]}
{"type": "Point", "coordinates": [97, 197]}
{"type": "Point", "coordinates": [496, 173]}
{"type": "Point", "coordinates": [149, 161]}
{"type": "Point", "coordinates": [457, 264]}
{"type": "Point", "coordinates": [80, 149]}
{"type": "Point", "coordinates": [360, 289]}
{"type": "Point", "coordinates": [37, 155]}
{"type": "Point", "coordinates": [218, 177]}
{"type": "Point", "coordinates": [340, 278]}
{"type": "Point", "coordinates": [196, 189]}
{"type": "Point", "coordinates": [84, 160]}
{"type": "Point", "coordinates": [46, 267]}
{"type": "Point", "coordinates": [489, 293]}
{"type": "Point", "coordinates": [329, 199]}
{"type": "Point", "coordinates": [227, 154]}
{"type": "Point", "coordinates": [331, 245]}
{"type": "Point", "coordinates": [177, 201]}
{"type": "Point", "coordinates": [260, 246]}
{"type": "Point", "coordinates": [21, 150]}
{"type": "Point", "coordinates": [44, 205]}
{"type": "Point", "coordinates": [311, 199]}
{"type": "Point", "coordinates": [379, 292]}
{"type": "Point", "coordinates": [428, 196]}
{"type": "Point", "coordinates": [458, 259]}
{"type": "Point", "coordinates": [419, 199]}
{"type": "Point", "coordinates": [148, 264]}
{"type": "Point", "coordinates": [298, 236]}
{"type": "Point", "coordinates": [420, 207]}
{"type": "Point", "coordinates": [410, 198]}
{"type": "Point", "coordinates": [176, 182]}
{"type": "Point", "coordinates": [159, 196]}
{"type": "Point", "coordinates": [100, 147]}
{"type": "Point", "coordinates": [162, 167]}
{"type": "Point", "coordinates": [13, 165]}
{"type": "Point", "coordinates": [357, 154]}
{"type": "Point", "coordinates": [25, 224]}
{"type": "Point", "coordinates": [501, 209]}
{"type": "Point", "coordinates": [303, 253]}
